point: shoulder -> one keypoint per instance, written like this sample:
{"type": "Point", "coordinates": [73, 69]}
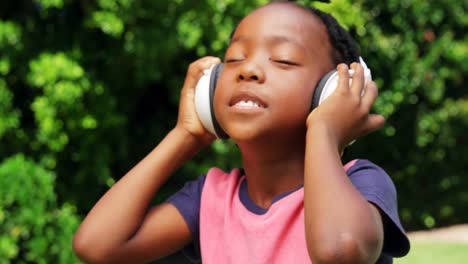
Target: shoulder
{"type": "Point", "coordinates": [364, 166]}
{"type": "Point", "coordinates": [220, 183]}
{"type": "Point", "coordinates": [369, 177]}
{"type": "Point", "coordinates": [188, 202]}
{"type": "Point", "coordinates": [190, 194]}
{"type": "Point", "coordinates": [195, 187]}
{"type": "Point", "coordinates": [220, 176]}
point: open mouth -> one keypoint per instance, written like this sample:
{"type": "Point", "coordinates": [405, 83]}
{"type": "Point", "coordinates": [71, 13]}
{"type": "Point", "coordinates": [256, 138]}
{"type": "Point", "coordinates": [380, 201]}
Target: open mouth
{"type": "Point", "coordinates": [249, 103]}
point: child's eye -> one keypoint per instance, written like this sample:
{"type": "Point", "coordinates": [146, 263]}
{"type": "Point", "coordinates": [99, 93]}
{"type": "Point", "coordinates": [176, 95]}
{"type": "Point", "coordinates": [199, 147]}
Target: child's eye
{"type": "Point", "coordinates": [232, 60]}
{"type": "Point", "coordinates": [286, 62]}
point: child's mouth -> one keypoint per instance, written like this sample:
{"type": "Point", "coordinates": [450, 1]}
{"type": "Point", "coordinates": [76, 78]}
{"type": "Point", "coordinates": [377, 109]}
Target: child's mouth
{"type": "Point", "coordinates": [248, 103]}
{"type": "Point", "coordinates": [247, 100]}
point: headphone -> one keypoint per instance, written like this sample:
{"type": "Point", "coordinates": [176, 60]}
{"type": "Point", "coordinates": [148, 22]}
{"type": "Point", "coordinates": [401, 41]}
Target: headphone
{"type": "Point", "coordinates": [206, 87]}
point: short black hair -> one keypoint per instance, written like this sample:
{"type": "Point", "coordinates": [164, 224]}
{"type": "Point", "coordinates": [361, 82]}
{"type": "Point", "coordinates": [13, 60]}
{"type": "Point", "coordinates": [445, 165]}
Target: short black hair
{"type": "Point", "coordinates": [345, 49]}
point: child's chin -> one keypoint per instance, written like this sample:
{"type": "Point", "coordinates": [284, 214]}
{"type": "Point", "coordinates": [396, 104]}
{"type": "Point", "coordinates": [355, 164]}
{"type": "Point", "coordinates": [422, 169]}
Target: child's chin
{"type": "Point", "coordinates": [246, 135]}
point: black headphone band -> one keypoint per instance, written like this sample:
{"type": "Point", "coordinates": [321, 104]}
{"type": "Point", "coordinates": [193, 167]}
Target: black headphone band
{"type": "Point", "coordinates": [319, 89]}
{"type": "Point", "coordinates": [213, 81]}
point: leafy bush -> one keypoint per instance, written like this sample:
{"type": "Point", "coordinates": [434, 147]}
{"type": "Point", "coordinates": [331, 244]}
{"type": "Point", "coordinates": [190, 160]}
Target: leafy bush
{"type": "Point", "coordinates": [33, 229]}
{"type": "Point", "coordinates": [87, 88]}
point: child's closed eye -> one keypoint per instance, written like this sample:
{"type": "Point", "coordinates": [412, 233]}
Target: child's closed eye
{"type": "Point", "coordinates": [231, 60]}
{"type": "Point", "coordinates": [285, 62]}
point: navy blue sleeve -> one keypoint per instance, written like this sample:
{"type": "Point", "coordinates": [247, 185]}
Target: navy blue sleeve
{"type": "Point", "coordinates": [187, 201]}
{"type": "Point", "coordinates": [377, 187]}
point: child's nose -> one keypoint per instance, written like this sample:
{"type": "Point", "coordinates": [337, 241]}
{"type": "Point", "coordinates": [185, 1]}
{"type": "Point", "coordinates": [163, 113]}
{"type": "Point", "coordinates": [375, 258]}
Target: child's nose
{"type": "Point", "coordinates": [252, 72]}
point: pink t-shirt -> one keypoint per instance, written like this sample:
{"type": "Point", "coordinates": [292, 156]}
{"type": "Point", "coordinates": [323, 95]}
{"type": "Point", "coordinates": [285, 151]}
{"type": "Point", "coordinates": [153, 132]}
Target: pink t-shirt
{"type": "Point", "coordinates": [229, 233]}
{"type": "Point", "coordinates": [230, 228]}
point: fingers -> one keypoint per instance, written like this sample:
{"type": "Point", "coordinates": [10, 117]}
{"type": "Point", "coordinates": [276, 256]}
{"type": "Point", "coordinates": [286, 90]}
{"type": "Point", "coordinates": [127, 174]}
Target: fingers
{"type": "Point", "coordinates": [343, 78]}
{"type": "Point", "coordinates": [366, 92]}
{"type": "Point", "coordinates": [370, 95]}
{"type": "Point", "coordinates": [358, 80]}
{"type": "Point", "coordinates": [196, 68]}
{"type": "Point", "coordinates": [374, 122]}
{"type": "Point", "coordinates": [348, 114]}
{"type": "Point", "coordinates": [357, 85]}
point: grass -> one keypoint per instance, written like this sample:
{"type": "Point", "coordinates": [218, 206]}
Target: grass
{"type": "Point", "coordinates": [435, 252]}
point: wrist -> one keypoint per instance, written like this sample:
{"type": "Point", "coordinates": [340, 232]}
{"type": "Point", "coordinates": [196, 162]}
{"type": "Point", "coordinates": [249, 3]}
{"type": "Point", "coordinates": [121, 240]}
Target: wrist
{"type": "Point", "coordinates": [322, 135]}
{"type": "Point", "coordinates": [188, 140]}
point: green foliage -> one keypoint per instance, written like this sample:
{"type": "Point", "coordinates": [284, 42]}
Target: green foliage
{"type": "Point", "coordinates": [32, 227]}
{"type": "Point", "coordinates": [50, 3]}
{"type": "Point", "coordinates": [63, 86]}
{"type": "Point", "coordinates": [416, 51]}
{"type": "Point", "coordinates": [9, 41]}
{"type": "Point", "coordinates": [87, 88]}
{"type": "Point", "coordinates": [347, 13]}
{"type": "Point", "coordinates": [10, 34]}
{"type": "Point", "coordinates": [9, 118]}
{"type": "Point", "coordinates": [110, 16]}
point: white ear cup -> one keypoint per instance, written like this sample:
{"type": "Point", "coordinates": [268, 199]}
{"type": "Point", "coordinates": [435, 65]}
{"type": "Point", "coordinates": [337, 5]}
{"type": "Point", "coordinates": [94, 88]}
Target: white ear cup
{"type": "Point", "coordinates": [332, 81]}
{"type": "Point", "coordinates": [203, 100]}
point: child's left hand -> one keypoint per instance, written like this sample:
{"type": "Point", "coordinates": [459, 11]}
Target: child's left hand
{"type": "Point", "coordinates": [345, 114]}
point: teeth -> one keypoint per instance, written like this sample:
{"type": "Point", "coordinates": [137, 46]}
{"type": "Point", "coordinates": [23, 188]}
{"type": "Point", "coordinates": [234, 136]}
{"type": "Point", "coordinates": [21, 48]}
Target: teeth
{"type": "Point", "coordinates": [248, 103]}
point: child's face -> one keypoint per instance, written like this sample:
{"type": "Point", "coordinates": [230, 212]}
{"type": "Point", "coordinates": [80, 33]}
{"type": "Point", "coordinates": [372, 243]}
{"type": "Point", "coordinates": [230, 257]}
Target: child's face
{"type": "Point", "coordinates": [277, 55]}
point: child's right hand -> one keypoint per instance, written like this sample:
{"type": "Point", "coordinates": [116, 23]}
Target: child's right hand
{"type": "Point", "coordinates": [188, 120]}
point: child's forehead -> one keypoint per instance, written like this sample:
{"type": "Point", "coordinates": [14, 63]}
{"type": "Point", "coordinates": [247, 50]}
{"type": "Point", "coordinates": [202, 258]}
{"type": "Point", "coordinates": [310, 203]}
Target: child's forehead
{"type": "Point", "coordinates": [283, 19]}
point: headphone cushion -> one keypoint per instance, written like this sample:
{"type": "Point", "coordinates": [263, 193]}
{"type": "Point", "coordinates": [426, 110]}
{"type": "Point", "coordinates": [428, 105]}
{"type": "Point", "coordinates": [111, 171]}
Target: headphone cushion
{"type": "Point", "coordinates": [320, 88]}
{"type": "Point", "coordinates": [217, 69]}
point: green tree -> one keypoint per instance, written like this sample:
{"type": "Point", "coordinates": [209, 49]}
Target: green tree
{"type": "Point", "coordinates": [87, 88]}
{"type": "Point", "coordinates": [33, 228]}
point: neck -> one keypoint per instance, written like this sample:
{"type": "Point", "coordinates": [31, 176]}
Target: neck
{"type": "Point", "coordinates": [272, 169]}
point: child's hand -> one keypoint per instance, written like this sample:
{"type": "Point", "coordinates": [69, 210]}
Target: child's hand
{"type": "Point", "coordinates": [188, 120]}
{"type": "Point", "coordinates": [344, 115]}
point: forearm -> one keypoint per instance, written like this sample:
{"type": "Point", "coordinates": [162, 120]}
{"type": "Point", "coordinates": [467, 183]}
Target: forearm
{"type": "Point", "coordinates": [340, 223]}
{"type": "Point", "coordinates": [119, 213]}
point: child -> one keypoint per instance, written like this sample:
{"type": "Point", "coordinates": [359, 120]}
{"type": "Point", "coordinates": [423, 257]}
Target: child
{"type": "Point", "coordinates": [293, 201]}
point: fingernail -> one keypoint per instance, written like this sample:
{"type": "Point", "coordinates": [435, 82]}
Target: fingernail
{"type": "Point", "coordinates": [342, 67]}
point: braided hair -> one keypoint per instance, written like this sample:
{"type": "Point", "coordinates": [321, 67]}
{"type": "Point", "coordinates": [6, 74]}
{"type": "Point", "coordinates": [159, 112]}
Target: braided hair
{"type": "Point", "coordinates": [344, 48]}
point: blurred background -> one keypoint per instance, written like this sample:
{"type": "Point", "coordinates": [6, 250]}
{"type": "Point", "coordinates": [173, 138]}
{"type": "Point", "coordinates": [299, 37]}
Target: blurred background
{"type": "Point", "coordinates": [88, 88]}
